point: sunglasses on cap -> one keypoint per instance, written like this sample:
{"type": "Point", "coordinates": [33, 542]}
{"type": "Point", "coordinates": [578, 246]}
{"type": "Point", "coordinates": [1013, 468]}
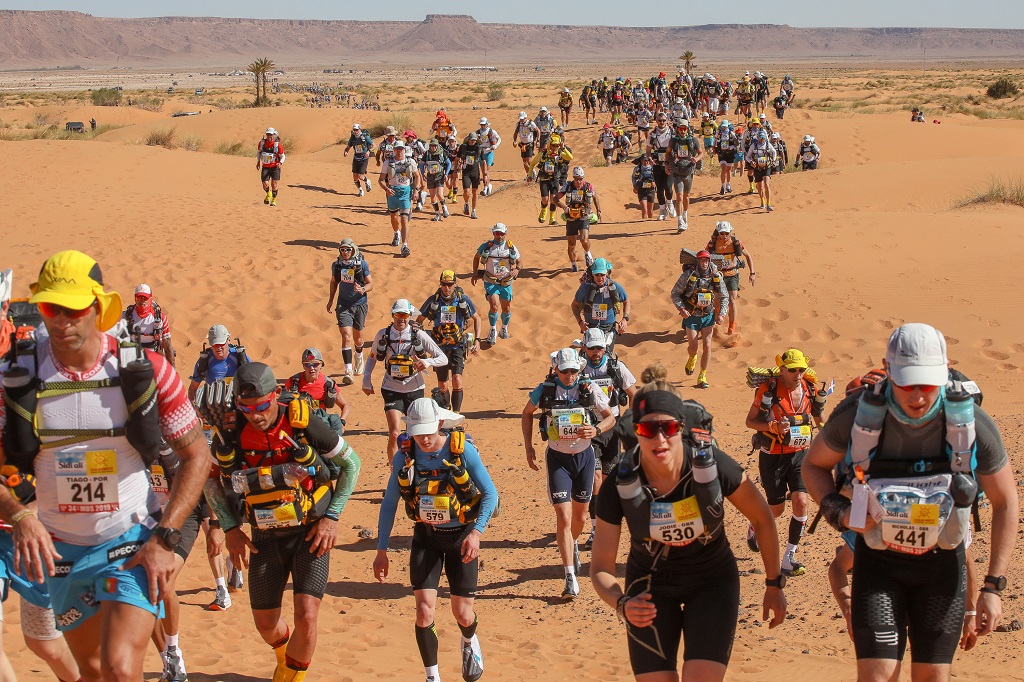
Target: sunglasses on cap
{"type": "Point", "coordinates": [924, 388]}
{"type": "Point", "coordinates": [314, 363]}
{"type": "Point", "coordinates": [651, 429]}
{"type": "Point", "coordinates": [261, 407]}
{"type": "Point", "coordinates": [53, 310]}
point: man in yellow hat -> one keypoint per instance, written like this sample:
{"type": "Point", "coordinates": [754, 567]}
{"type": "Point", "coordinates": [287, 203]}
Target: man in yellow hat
{"type": "Point", "coordinates": [784, 409]}
{"type": "Point", "coordinates": [89, 446]}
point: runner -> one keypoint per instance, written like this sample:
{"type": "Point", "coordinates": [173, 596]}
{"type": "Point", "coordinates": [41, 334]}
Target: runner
{"type": "Point", "coordinates": [567, 403]}
{"type": "Point", "coordinates": [744, 97]}
{"type": "Point", "coordinates": [7, 327]}
{"type": "Point", "coordinates": [321, 392]}
{"type": "Point", "coordinates": [623, 145]}
{"type": "Point", "coordinates": [606, 143]}
{"type": "Point", "coordinates": [525, 136]}
{"type": "Point", "coordinates": [551, 167]}
{"type": "Point", "coordinates": [787, 90]}
{"type": "Point", "coordinates": [114, 558]}
{"type": "Point", "coordinates": [761, 88]}
{"type": "Point", "coordinates": [435, 166]}
{"type": "Point", "coordinates": [779, 104]}
{"type": "Point", "coordinates": [588, 100]}
{"type": "Point", "coordinates": [682, 581]}
{"type": "Point", "coordinates": [293, 516]}
{"type": "Point", "coordinates": [724, 243]}
{"type": "Point", "coordinates": [450, 311]}
{"type": "Point", "coordinates": [148, 325]}
{"type": "Point", "coordinates": [781, 153]}
{"type": "Point", "coordinates": [643, 116]}
{"type": "Point", "coordinates": [469, 158]}
{"type": "Point", "coordinates": [708, 130]}
{"type": "Point", "coordinates": [501, 264]}
{"type": "Point", "coordinates": [443, 538]}
{"type": "Point", "coordinates": [220, 361]}
{"type": "Point", "coordinates": [546, 125]}
{"type": "Point", "coordinates": [386, 148]}
{"type": "Point", "coordinates": [601, 303]}
{"type": "Point", "coordinates": [726, 145]}
{"type": "Point", "coordinates": [693, 296]}
{"type": "Point", "coordinates": [415, 148]}
{"type": "Point", "coordinates": [565, 106]}
{"type": "Point", "coordinates": [644, 185]}
{"type": "Point", "coordinates": [443, 128]}
{"type": "Point", "coordinates": [489, 143]}
{"type": "Point", "coordinates": [683, 153]}
{"type": "Point", "coordinates": [607, 372]}
{"type": "Point", "coordinates": [908, 437]}
{"type": "Point", "coordinates": [807, 155]}
{"type": "Point", "coordinates": [762, 157]}
{"type": "Point", "coordinates": [406, 351]}
{"type": "Point", "coordinates": [580, 204]}
{"type": "Point", "coordinates": [269, 159]}
{"type": "Point", "coordinates": [451, 150]}
{"type": "Point", "coordinates": [397, 177]}
{"type": "Point", "coordinates": [784, 410]}
{"type": "Point", "coordinates": [657, 148]}
{"type": "Point", "coordinates": [360, 141]}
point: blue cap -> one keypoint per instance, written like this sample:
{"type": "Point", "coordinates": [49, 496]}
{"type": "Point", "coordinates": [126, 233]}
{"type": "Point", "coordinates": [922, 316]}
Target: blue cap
{"type": "Point", "coordinates": [601, 266]}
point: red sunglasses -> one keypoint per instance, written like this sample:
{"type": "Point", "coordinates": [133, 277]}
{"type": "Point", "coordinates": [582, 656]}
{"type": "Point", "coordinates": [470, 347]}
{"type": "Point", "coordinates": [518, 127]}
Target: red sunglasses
{"type": "Point", "coordinates": [262, 407]}
{"type": "Point", "coordinates": [668, 427]}
{"type": "Point", "coordinates": [924, 388]}
{"type": "Point", "coordinates": [53, 310]}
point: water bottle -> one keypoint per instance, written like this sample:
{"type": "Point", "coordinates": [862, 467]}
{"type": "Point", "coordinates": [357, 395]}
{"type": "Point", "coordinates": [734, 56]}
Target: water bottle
{"type": "Point", "coordinates": [820, 396]}
{"type": "Point", "coordinates": [240, 482]}
{"type": "Point", "coordinates": [266, 477]}
{"type": "Point", "coordinates": [765, 407]}
{"type": "Point", "coordinates": [867, 425]}
{"type": "Point", "coordinates": [960, 433]}
{"type": "Point", "coordinates": [294, 473]}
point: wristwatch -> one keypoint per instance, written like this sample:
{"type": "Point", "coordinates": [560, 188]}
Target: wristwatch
{"type": "Point", "coordinates": [994, 584]}
{"type": "Point", "coordinates": [168, 537]}
{"type": "Point", "coordinates": [214, 523]}
{"type": "Point", "coordinates": [778, 582]}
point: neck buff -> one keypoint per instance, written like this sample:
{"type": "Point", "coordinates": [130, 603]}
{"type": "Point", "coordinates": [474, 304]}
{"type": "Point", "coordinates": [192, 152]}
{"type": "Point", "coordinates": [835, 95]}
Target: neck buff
{"type": "Point", "coordinates": [896, 411]}
{"type": "Point", "coordinates": [144, 311]}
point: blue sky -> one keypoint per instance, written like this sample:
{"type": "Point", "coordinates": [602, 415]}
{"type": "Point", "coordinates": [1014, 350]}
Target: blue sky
{"type": "Point", "coordinates": [946, 13]}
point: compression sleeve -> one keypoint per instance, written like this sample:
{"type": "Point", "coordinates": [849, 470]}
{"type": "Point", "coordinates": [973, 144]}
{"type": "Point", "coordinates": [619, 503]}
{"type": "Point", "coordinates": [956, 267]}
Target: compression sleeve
{"type": "Point", "coordinates": [723, 296]}
{"type": "Point", "coordinates": [478, 474]}
{"type": "Point", "coordinates": [350, 463]}
{"type": "Point", "coordinates": [389, 505]}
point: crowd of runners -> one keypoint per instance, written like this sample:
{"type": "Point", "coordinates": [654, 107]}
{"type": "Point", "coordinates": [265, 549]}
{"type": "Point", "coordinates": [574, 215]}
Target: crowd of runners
{"type": "Point", "coordinates": [112, 466]}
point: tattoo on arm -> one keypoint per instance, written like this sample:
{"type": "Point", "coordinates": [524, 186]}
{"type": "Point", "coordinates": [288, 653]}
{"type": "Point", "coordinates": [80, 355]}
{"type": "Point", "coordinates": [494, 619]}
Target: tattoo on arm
{"type": "Point", "coordinates": [180, 444]}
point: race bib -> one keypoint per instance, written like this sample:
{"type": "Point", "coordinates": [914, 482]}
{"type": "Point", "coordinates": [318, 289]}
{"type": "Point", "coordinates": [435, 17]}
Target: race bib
{"type": "Point", "coordinates": [647, 184]}
{"type": "Point", "coordinates": [360, 149]}
{"type": "Point", "coordinates": [434, 168]}
{"type": "Point", "coordinates": [280, 517]}
{"type": "Point", "coordinates": [605, 384]}
{"type": "Point", "coordinates": [660, 156]}
{"type": "Point", "coordinates": [501, 267]}
{"type": "Point", "coordinates": [435, 509]}
{"type": "Point", "coordinates": [470, 160]}
{"type": "Point", "coordinates": [914, 511]}
{"type": "Point", "coordinates": [600, 311]}
{"type": "Point", "coordinates": [87, 481]}
{"type": "Point", "coordinates": [808, 156]}
{"type": "Point", "coordinates": [703, 299]}
{"type": "Point", "coordinates": [566, 423]}
{"type": "Point", "coordinates": [729, 262]}
{"type": "Point", "coordinates": [800, 436]}
{"type": "Point", "coordinates": [267, 158]}
{"type": "Point", "coordinates": [158, 480]}
{"type": "Point", "coordinates": [676, 523]}
{"type": "Point", "coordinates": [448, 314]}
{"type": "Point", "coordinates": [348, 276]}
{"type": "Point", "coordinates": [549, 167]}
{"type": "Point", "coordinates": [401, 371]}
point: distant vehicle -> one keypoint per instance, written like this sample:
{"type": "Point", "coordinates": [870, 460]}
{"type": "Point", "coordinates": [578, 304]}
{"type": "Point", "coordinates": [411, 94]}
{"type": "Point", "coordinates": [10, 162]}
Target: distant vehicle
{"type": "Point", "coordinates": [170, 91]}
{"type": "Point", "coordinates": [200, 91]}
{"type": "Point", "coordinates": [118, 88]}
{"type": "Point", "coordinates": [74, 126]}
{"type": "Point", "coordinates": [185, 113]}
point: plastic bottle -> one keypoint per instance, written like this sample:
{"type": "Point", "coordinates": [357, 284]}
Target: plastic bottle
{"type": "Point", "coordinates": [765, 408]}
{"type": "Point", "coordinates": [266, 477]}
{"type": "Point", "coordinates": [294, 473]}
{"type": "Point", "coordinates": [240, 482]}
{"type": "Point", "coordinates": [867, 426]}
{"type": "Point", "coordinates": [820, 396]}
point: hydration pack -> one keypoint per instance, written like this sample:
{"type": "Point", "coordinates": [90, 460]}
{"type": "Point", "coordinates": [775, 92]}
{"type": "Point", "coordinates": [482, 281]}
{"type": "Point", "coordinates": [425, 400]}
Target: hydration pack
{"type": "Point", "coordinates": [438, 496]}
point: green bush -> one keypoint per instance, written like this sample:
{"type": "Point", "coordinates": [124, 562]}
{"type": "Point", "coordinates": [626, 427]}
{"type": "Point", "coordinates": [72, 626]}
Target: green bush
{"type": "Point", "coordinates": [161, 137]}
{"type": "Point", "coordinates": [106, 97]}
{"type": "Point", "coordinates": [235, 148]}
{"type": "Point", "coordinates": [1002, 89]}
{"type": "Point", "coordinates": [401, 122]}
{"type": "Point", "coordinates": [148, 102]}
{"type": "Point", "coordinates": [495, 93]}
{"type": "Point", "coordinates": [999, 191]}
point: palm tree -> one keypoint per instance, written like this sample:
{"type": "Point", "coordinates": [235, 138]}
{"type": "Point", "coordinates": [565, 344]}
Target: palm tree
{"type": "Point", "coordinates": [687, 58]}
{"type": "Point", "coordinates": [259, 70]}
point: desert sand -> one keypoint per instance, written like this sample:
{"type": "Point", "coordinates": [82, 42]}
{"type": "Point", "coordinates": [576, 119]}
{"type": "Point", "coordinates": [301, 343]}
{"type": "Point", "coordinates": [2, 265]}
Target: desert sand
{"type": "Point", "coordinates": [867, 242]}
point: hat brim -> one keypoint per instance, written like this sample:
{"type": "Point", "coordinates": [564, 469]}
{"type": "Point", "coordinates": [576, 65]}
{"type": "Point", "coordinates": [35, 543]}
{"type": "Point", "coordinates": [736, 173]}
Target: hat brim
{"type": "Point", "coordinates": [914, 375]}
{"type": "Point", "coordinates": [446, 418]}
{"type": "Point", "coordinates": [798, 364]}
{"type": "Point", "coordinates": [110, 304]}
{"type": "Point", "coordinates": [216, 341]}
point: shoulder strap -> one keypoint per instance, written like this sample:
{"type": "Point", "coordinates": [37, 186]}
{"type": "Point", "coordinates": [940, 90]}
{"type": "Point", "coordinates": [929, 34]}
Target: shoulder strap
{"type": "Point", "coordinates": [457, 442]}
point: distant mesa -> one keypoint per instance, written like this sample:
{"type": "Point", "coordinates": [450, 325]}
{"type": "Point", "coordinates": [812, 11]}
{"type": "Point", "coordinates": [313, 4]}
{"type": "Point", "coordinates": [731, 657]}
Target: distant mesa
{"type": "Point", "coordinates": [449, 17]}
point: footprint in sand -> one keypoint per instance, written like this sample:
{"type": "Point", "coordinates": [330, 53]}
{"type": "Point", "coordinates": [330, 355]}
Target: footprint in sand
{"type": "Point", "coordinates": [983, 343]}
{"type": "Point", "coordinates": [1006, 367]}
{"type": "Point", "coordinates": [802, 334]}
{"type": "Point", "coordinates": [995, 354]}
{"type": "Point", "coordinates": [828, 334]}
{"type": "Point", "coordinates": [766, 325]}
{"type": "Point", "coordinates": [950, 341]}
{"type": "Point", "coordinates": [1016, 348]}
{"type": "Point", "coordinates": [780, 315]}
{"type": "Point", "coordinates": [760, 303]}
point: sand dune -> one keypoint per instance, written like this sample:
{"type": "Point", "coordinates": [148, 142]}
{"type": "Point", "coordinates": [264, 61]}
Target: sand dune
{"type": "Point", "coordinates": [867, 242]}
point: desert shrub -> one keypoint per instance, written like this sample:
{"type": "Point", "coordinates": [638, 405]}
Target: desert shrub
{"type": "Point", "coordinates": [397, 119]}
{"type": "Point", "coordinates": [192, 143]}
{"type": "Point", "coordinates": [998, 191]}
{"type": "Point", "coordinates": [106, 97]}
{"type": "Point", "coordinates": [148, 102]}
{"type": "Point", "coordinates": [1002, 89]}
{"type": "Point", "coordinates": [234, 148]}
{"type": "Point", "coordinates": [161, 137]}
{"type": "Point", "coordinates": [495, 93]}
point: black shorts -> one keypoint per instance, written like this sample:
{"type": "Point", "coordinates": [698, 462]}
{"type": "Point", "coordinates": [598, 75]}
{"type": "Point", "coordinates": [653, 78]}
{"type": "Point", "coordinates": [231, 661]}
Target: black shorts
{"type": "Point", "coordinates": [780, 474]}
{"type": "Point", "coordinates": [360, 166]}
{"type": "Point", "coordinates": [570, 477]}
{"type": "Point", "coordinates": [352, 316]}
{"type": "Point", "coordinates": [549, 188]}
{"type": "Point", "coordinates": [698, 608]}
{"type": "Point", "coordinates": [727, 157]}
{"type": "Point", "coordinates": [646, 193]}
{"type": "Point", "coordinates": [189, 533]}
{"type": "Point", "coordinates": [456, 362]}
{"type": "Point", "coordinates": [526, 150]}
{"type": "Point", "coordinates": [435, 182]}
{"type": "Point", "coordinates": [470, 179]}
{"type": "Point", "coordinates": [394, 400]}
{"type": "Point", "coordinates": [268, 174]}
{"type": "Point", "coordinates": [433, 549]}
{"type": "Point", "coordinates": [607, 450]}
{"type": "Point", "coordinates": [732, 282]}
{"type": "Point", "coordinates": [281, 553]}
{"type": "Point", "coordinates": [809, 165]}
{"type": "Point", "coordinates": [896, 595]}
{"type": "Point", "coordinates": [574, 227]}
{"type": "Point", "coordinates": [761, 173]}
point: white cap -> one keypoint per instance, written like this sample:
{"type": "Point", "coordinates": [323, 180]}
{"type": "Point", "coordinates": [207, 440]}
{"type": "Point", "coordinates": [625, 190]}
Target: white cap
{"type": "Point", "coordinates": [916, 354]}
{"type": "Point", "coordinates": [578, 172]}
{"type": "Point", "coordinates": [6, 284]}
{"type": "Point", "coordinates": [217, 335]}
{"type": "Point", "coordinates": [483, 121]}
{"type": "Point", "coordinates": [807, 138]}
{"type": "Point", "coordinates": [398, 145]}
{"type": "Point", "coordinates": [499, 227]}
{"type": "Point", "coordinates": [144, 290]}
{"type": "Point", "coordinates": [355, 126]}
{"type": "Point", "coordinates": [522, 115]}
{"type": "Point", "coordinates": [723, 227]}
{"type": "Point", "coordinates": [763, 116]}
{"type": "Point", "coordinates": [402, 305]}
{"type": "Point", "coordinates": [270, 131]}
{"type": "Point", "coordinates": [424, 417]}
{"type": "Point", "coordinates": [544, 110]}
{"type": "Point", "coordinates": [594, 338]}
{"type": "Point", "coordinates": [567, 358]}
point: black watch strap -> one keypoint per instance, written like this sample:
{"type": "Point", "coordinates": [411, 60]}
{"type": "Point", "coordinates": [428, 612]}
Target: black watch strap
{"type": "Point", "coordinates": [998, 583]}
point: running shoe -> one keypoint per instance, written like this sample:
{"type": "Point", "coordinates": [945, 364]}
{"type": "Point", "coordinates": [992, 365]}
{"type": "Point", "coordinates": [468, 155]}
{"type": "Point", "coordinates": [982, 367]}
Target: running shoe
{"type": "Point", "coordinates": [672, 210]}
{"type": "Point", "coordinates": [473, 214]}
{"type": "Point", "coordinates": [795, 567]}
{"type": "Point", "coordinates": [722, 191]}
{"type": "Point", "coordinates": [436, 218]}
{"type": "Point", "coordinates": [588, 259]}
{"type": "Point", "coordinates": [702, 379]}
{"type": "Point", "coordinates": [691, 364]}
{"type": "Point", "coordinates": [661, 214]}
{"type": "Point", "coordinates": [681, 225]}
{"type": "Point", "coordinates": [543, 215]}
{"type": "Point", "coordinates": [728, 187]}
{"type": "Point", "coordinates": [236, 580]}
{"type": "Point", "coordinates": [503, 334]}
{"type": "Point", "coordinates": [554, 219]}
{"type": "Point", "coordinates": [396, 240]}
{"type": "Point", "coordinates": [492, 337]}
{"type": "Point", "coordinates": [465, 209]}
{"type": "Point", "coordinates": [360, 191]}
{"type": "Point", "coordinates": [444, 210]}
{"type": "Point", "coordinates": [589, 543]}
{"type": "Point", "coordinates": [368, 185]}
{"type": "Point", "coordinates": [273, 201]}
{"type": "Point", "coordinates": [572, 588]}
{"type": "Point", "coordinates": [406, 251]}
{"type": "Point", "coordinates": [490, 189]}
{"type": "Point", "coordinates": [752, 189]}
{"type": "Point", "coordinates": [346, 380]}
{"type": "Point", "coordinates": [576, 563]}
{"type": "Point", "coordinates": [752, 540]}
{"type": "Point", "coordinates": [266, 199]}
{"type": "Point", "coordinates": [472, 660]}
{"type": "Point", "coordinates": [174, 666]}
{"type": "Point", "coordinates": [419, 205]}
{"type": "Point", "coordinates": [769, 208]}
{"type": "Point", "coordinates": [360, 363]}
{"type": "Point", "coordinates": [575, 268]}
{"type": "Point", "coordinates": [221, 601]}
